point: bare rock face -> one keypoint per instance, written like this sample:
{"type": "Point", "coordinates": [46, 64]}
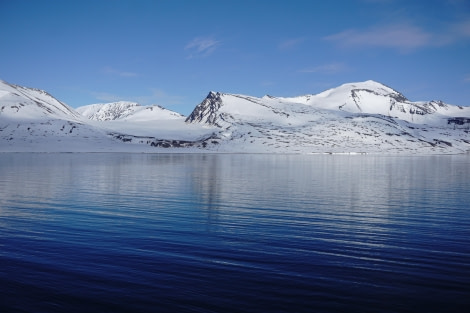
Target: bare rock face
{"type": "Point", "coordinates": [206, 111]}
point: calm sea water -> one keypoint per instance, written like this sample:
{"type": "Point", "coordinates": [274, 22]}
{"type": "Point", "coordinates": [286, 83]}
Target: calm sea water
{"type": "Point", "coordinates": [234, 233]}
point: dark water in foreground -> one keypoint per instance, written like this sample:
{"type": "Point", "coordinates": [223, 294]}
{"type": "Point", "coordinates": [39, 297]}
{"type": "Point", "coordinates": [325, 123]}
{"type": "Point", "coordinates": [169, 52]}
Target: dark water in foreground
{"type": "Point", "coordinates": [234, 233]}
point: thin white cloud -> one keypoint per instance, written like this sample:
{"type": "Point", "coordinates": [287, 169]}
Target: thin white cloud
{"type": "Point", "coordinates": [331, 68]}
{"type": "Point", "coordinates": [115, 72]}
{"type": "Point", "coordinates": [155, 96]}
{"type": "Point", "coordinates": [107, 97]}
{"type": "Point", "coordinates": [201, 47]}
{"type": "Point", "coordinates": [455, 32]}
{"type": "Point", "coordinates": [159, 96]}
{"type": "Point", "coordinates": [267, 83]}
{"type": "Point", "coordinates": [403, 37]}
{"type": "Point", "coordinates": [377, 1]}
{"type": "Point", "coordinates": [290, 43]}
{"type": "Point", "coordinates": [462, 29]}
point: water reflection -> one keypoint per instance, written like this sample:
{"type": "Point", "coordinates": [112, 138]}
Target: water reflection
{"type": "Point", "coordinates": [207, 231]}
{"type": "Point", "coordinates": [352, 186]}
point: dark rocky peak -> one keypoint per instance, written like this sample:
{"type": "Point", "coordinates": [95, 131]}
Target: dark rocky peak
{"type": "Point", "coordinates": [213, 95]}
{"type": "Point", "coordinates": [206, 111]}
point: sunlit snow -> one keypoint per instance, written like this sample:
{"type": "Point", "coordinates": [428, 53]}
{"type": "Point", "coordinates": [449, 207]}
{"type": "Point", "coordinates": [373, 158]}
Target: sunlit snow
{"type": "Point", "coordinates": [363, 117]}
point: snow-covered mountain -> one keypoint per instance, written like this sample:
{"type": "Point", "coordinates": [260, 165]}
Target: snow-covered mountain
{"type": "Point", "coordinates": [152, 125]}
{"type": "Point", "coordinates": [124, 110]}
{"type": "Point", "coordinates": [33, 120]}
{"type": "Point", "coordinates": [357, 117]}
{"type": "Point", "coordinates": [368, 97]}
{"type": "Point", "coordinates": [364, 117]}
{"type": "Point", "coordinates": [375, 98]}
{"type": "Point", "coordinates": [29, 103]}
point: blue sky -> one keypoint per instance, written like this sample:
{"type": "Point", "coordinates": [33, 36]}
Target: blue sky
{"type": "Point", "coordinates": [172, 53]}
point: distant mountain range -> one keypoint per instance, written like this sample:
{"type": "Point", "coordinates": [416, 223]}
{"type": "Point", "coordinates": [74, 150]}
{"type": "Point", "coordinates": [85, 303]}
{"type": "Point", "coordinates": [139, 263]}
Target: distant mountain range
{"type": "Point", "coordinates": [363, 117]}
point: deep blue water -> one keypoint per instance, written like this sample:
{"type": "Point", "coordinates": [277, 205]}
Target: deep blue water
{"type": "Point", "coordinates": [234, 233]}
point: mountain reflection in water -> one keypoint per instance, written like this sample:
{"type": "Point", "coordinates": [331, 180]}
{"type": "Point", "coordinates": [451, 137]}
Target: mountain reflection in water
{"type": "Point", "coordinates": [234, 233]}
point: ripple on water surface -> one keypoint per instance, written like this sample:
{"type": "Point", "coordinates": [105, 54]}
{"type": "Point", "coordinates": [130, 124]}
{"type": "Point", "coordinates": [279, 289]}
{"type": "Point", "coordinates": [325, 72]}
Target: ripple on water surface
{"type": "Point", "coordinates": [241, 233]}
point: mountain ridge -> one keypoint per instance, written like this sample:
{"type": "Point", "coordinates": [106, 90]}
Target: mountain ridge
{"type": "Point", "coordinates": [125, 110]}
{"type": "Point", "coordinates": [349, 97]}
{"type": "Point", "coordinates": [362, 117]}
{"type": "Point", "coordinates": [28, 102]}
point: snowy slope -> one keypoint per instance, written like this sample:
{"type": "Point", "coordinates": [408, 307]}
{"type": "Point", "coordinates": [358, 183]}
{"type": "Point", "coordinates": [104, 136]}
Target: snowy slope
{"type": "Point", "coordinates": [365, 117]}
{"type": "Point", "coordinates": [124, 110]}
{"type": "Point", "coordinates": [29, 103]}
{"type": "Point", "coordinates": [353, 118]}
{"type": "Point", "coordinates": [375, 98]}
{"type": "Point", "coordinates": [138, 123]}
{"type": "Point", "coordinates": [33, 120]}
